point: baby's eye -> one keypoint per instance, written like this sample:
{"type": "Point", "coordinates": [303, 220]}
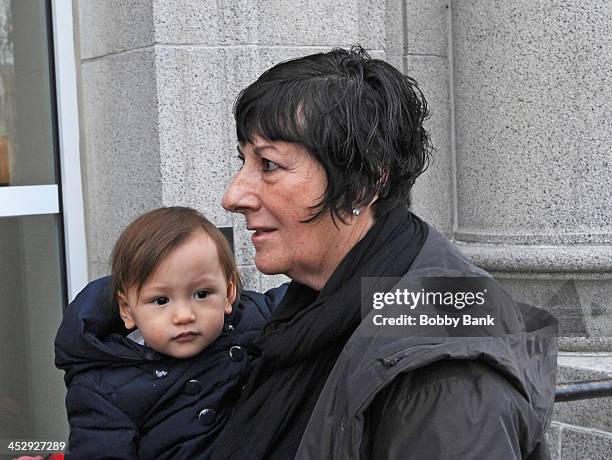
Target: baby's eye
{"type": "Point", "coordinates": [268, 166]}
{"type": "Point", "coordinates": [201, 294]}
{"type": "Point", "coordinates": [160, 301]}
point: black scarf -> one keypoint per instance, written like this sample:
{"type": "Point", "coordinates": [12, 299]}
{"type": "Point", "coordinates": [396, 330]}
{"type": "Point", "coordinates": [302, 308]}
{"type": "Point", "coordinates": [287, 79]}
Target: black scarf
{"type": "Point", "coordinates": [303, 339]}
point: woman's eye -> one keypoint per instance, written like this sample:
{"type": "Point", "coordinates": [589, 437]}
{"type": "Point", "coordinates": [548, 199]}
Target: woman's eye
{"type": "Point", "coordinates": [201, 294]}
{"type": "Point", "coordinates": [268, 165]}
{"type": "Point", "coordinates": [240, 156]}
{"type": "Point", "coordinates": [160, 300]}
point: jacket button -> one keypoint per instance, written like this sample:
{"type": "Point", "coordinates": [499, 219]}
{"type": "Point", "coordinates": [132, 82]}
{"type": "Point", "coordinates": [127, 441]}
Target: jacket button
{"type": "Point", "coordinates": [206, 416]}
{"type": "Point", "coordinates": [236, 353]}
{"type": "Point", "coordinates": [193, 387]}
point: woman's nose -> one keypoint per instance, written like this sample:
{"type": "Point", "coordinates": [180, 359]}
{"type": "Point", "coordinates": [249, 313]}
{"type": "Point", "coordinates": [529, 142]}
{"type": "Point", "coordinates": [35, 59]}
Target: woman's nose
{"type": "Point", "coordinates": [240, 196]}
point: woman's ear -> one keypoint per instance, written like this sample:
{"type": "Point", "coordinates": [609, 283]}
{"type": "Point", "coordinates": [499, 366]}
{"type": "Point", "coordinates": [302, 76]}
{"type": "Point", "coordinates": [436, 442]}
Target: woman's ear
{"type": "Point", "coordinates": [231, 296]}
{"type": "Point", "coordinates": [125, 312]}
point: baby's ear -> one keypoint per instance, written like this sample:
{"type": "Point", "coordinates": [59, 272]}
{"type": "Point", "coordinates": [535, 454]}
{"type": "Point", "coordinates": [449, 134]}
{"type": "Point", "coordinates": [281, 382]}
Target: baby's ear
{"type": "Point", "coordinates": [125, 312]}
{"type": "Point", "coordinates": [231, 296]}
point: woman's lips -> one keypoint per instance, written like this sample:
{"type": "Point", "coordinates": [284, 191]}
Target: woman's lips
{"type": "Point", "coordinates": [185, 336]}
{"type": "Point", "coordinates": [261, 235]}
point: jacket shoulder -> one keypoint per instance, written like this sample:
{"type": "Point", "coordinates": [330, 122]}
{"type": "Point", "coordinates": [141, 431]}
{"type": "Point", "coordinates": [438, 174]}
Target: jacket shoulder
{"type": "Point", "coordinates": [439, 253]}
{"type": "Point", "coordinates": [254, 308]}
{"type": "Point", "coordinates": [451, 409]}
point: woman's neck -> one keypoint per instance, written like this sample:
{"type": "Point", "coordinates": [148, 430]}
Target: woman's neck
{"type": "Point", "coordinates": [347, 237]}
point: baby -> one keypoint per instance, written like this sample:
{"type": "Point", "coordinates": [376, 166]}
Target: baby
{"type": "Point", "coordinates": [154, 371]}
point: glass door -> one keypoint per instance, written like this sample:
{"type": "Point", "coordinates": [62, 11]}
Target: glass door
{"type": "Point", "coordinates": [33, 288]}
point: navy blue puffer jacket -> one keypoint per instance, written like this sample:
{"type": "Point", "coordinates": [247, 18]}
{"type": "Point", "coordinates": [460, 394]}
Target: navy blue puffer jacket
{"type": "Point", "coordinates": [127, 401]}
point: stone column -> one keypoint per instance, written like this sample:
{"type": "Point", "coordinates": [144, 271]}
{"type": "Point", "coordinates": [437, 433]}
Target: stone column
{"type": "Point", "coordinates": [426, 59]}
{"type": "Point", "coordinates": [119, 103]}
{"type": "Point", "coordinates": [533, 117]}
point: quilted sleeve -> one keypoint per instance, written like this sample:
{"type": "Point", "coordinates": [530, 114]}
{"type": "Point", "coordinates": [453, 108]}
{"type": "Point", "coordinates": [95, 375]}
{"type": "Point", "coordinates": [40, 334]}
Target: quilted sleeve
{"type": "Point", "coordinates": [98, 429]}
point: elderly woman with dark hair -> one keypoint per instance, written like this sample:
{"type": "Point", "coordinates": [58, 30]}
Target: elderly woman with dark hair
{"type": "Point", "coordinates": [331, 145]}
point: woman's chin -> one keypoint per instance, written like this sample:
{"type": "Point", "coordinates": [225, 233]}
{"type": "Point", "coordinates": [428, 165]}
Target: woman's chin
{"type": "Point", "coordinates": [268, 266]}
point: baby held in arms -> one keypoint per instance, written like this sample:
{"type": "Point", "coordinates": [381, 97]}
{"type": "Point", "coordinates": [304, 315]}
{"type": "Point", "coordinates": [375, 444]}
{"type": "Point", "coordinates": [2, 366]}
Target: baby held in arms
{"type": "Point", "coordinates": [156, 355]}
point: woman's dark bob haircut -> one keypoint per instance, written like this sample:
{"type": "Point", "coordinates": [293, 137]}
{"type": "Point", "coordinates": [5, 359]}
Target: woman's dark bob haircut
{"type": "Point", "coordinates": [359, 117]}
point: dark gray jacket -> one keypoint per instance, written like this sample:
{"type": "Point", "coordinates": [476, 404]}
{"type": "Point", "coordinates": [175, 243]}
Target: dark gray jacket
{"type": "Point", "coordinates": [429, 396]}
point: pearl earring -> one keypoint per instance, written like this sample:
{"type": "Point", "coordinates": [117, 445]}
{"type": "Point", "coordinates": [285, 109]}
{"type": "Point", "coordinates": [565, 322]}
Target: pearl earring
{"type": "Point", "coordinates": [356, 212]}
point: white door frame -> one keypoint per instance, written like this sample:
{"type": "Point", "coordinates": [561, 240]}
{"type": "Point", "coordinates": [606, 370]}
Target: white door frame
{"type": "Point", "coordinates": [70, 161]}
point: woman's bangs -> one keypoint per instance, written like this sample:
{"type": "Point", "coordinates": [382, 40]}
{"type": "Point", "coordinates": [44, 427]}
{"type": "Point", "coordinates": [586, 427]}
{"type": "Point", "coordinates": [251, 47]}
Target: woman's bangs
{"type": "Point", "coordinates": [274, 115]}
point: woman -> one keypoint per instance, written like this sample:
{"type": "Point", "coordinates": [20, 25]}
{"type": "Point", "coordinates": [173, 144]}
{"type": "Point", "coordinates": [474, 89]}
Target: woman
{"type": "Point", "coordinates": [331, 145]}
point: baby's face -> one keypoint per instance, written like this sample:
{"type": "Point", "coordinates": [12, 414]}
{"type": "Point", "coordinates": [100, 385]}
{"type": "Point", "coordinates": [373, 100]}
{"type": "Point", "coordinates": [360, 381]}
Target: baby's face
{"type": "Point", "coordinates": [181, 306]}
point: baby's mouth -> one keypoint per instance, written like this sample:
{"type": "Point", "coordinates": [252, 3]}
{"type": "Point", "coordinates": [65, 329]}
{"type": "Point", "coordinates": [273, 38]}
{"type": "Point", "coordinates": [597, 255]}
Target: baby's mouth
{"type": "Point", "coordinates": [185, 336]}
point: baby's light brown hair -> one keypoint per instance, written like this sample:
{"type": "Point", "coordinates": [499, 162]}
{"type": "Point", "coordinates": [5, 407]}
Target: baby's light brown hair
{"type": "Point", "coordinates": [148, 240]}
